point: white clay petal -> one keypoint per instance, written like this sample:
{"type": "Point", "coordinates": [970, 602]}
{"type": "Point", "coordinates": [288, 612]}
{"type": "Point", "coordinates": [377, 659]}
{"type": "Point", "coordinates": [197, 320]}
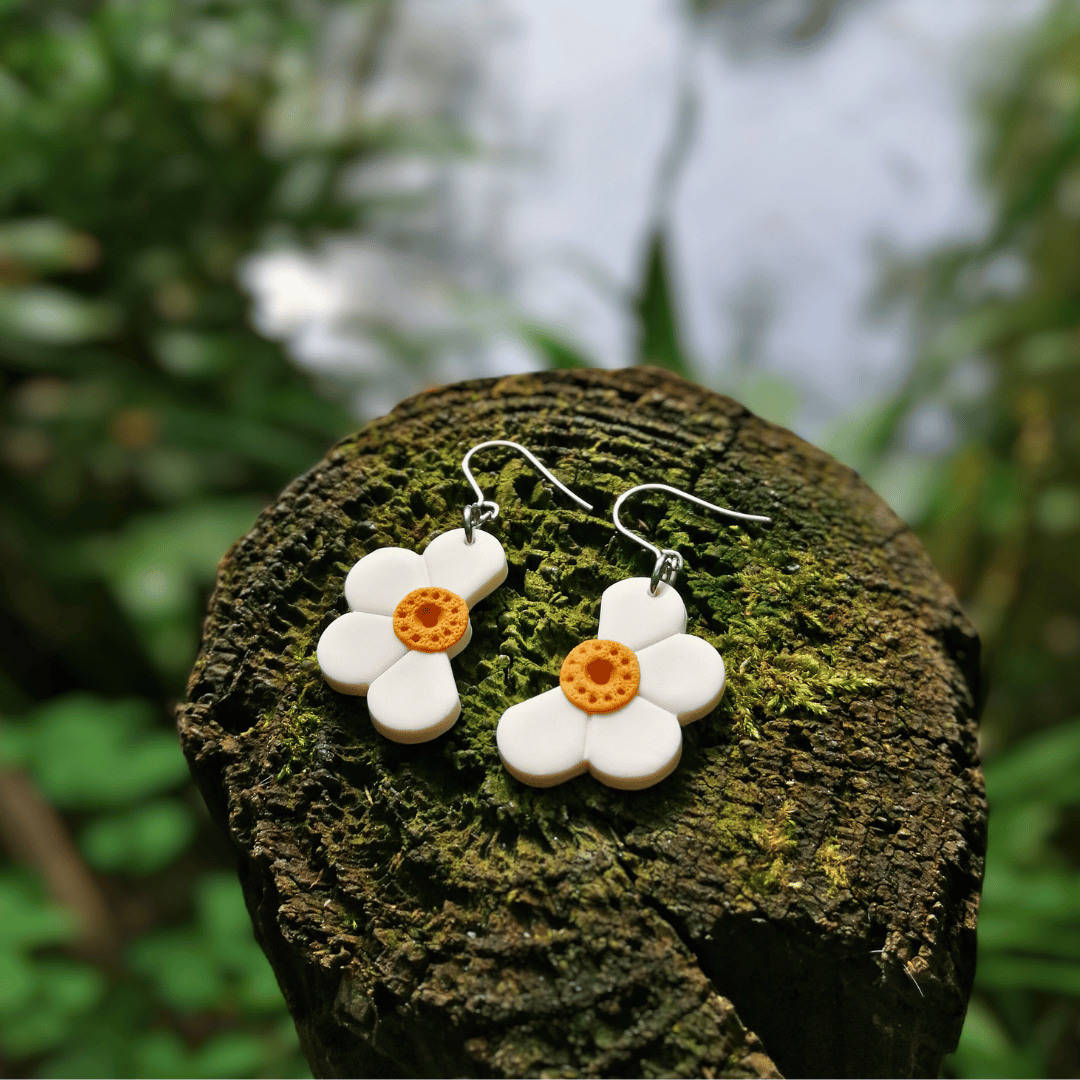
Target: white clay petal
{"type": "Point", "coordinates": [630, 614]}
{"type": "Point", "coordinates": [471, 570]}
{"type": "Point", "coordinates": [379, 581]}
{"type": "Point", "coordinates": [542, 740]}
{"type": "Point", "coordinates": [682, 674]}
{"type": "Point", "coordinates": [461, 643]}
{"type": "Point", "coordinates": [635, 747]}
{"type": "Point", "coordinates": [416, 700]}
{"type": "Point", "coordinates": [356, 649]}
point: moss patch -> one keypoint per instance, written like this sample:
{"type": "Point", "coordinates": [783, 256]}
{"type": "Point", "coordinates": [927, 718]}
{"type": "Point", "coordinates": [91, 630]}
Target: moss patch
{"type": "Point", "coordinates": [833, 861]}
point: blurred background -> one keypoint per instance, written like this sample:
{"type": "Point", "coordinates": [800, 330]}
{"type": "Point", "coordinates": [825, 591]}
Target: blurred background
{"type": "Point", "coordinates": [231, 231]}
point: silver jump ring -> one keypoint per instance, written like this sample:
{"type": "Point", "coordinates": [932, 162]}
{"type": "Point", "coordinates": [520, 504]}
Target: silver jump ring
{"type": "Point", "coordinates": [477, 515]}
{"type": "Point", "coordinates": [667, 566]}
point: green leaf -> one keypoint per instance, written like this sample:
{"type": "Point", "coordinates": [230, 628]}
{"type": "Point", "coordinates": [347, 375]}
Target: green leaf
{"type": "Point", "coordinates": [862, 437]}
{"type": "Point", "coordinates": [223, 913]}
{"type": "Point", "coordinates": [103, 1040]}
{"type": "Point", "coordinates": [215, 963]}
{"type": "Point", "coordinates": [163, 1054]}
{"type": "Point", "coordinates": [14, 745]}
{"type": "Point", "coordinates": [140, 842]}
{"type": "Point", "coordinates": [771, 397]}
{"type": "Point", "coordinates": [259, 990]}
{"type": "Point", "coordinates": [998, 972]}
{"type": "Point", "coordinates": [46, 245]}
{"type": "Point", "coordinates": [229, 1054]}
{"type": "Point", "coordinates": [998, 934]}
{"type": "Point", "coordinates": [16, 981]}
{"type": "Point", "coordinates": [238, 434]}
{"type": "Point", "coordinates": [181, 967]}
{"type": "Point", "coordinates": [986, 1050]}
{"type": "Point", "coordinates": [1036, 766]}
{"type": "Point", "coordinates": [1047, 894]}
{"type": "Point", "coordinates": [1004, 499]}
{"type": "Point", "coordinates": [156, 559]}
{"type": "Point", "coordinates": [47, 315]}
{"type": "Point", "coordinates": [88, 752]}
{"type": "Point", "coordinates": [1022, 833]}
{"type": "Point", "coordinates": [906, 483]}
{"type": "Point", "coordinates": [69, 985]}
{"type": "Point", "coordinates": [1057, 509]}
{"type": "Point", "coordinates": [51, 994]}
{"type": "Point", "coordinates": [559, 353]}
{"type": "Point", "coordinates": [1048, 352]}
{"type": "Point", "coordinates": [157, 564]}
{"type": "Point", "coordinates": [660, 343]}
{"type": "Point", "coordinates": [189, 354]}
{"type": "Point", "coordinates": [27, 921]}
{"type": "Point", "coordinates": [224, 919]}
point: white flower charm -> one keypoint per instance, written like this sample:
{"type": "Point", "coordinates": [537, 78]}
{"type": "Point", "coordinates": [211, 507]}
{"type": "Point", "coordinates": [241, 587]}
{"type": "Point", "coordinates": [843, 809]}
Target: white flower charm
{"type": "Point", "coordinates": [409, 617]}
{"type": "Point", "coordinates": [622, 698]}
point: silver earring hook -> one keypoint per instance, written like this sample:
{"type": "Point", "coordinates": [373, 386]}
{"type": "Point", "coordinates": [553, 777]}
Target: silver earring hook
{"type": "Point", "coordinates": [478, 514]}
{"type": "Point", "coordinates": [668, 562]}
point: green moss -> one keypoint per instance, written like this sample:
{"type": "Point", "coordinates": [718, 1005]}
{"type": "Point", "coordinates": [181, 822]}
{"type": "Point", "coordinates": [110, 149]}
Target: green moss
{"type": "Point", "coordinates": [777, 835]}
{"type": "Point", "coordinates": [832, 860]}
{"type": "Point", "coordinates": [775, 614]}
{"type": "Point", "coordinates": [294, 740]}
{"type": "Point", "coordinates": [780, 641]}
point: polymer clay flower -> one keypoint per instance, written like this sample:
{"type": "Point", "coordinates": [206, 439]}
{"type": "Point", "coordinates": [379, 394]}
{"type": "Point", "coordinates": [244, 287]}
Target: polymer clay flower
{"type": "Point", "coordinates": [409, 616]}
{"type": "Point", "coordinates": [622, 698]}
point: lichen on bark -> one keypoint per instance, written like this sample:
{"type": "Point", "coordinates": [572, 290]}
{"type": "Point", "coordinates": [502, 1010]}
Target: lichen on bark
{"type": "Point", "coordinates": [811, 869]}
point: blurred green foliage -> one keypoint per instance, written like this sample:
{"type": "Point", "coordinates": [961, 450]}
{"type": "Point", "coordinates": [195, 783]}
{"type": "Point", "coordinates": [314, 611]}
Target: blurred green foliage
{"type": "Point", "coordinates": [146, 147]}
{"type": "Point", "coordinates": [1022, 1021]}
{"type": "Point", "coordinates": [41, 999]}
{"type": "Point", "coordinates": [659, 339]}
{"type": "Point", "coordinates": [193, 995]}
{"type": "Point", "coordinates": [981, 452]}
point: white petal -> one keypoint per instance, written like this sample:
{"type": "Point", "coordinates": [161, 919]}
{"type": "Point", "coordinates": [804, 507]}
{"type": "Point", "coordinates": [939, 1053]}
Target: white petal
{"type": "Point", "coordinates": [460, 644]}
{"type": "Point", "coordinates": [542, 740]}
{"type": "Point", "coordinates": [630, 614]}
{"type": "Point", "coordinates": [634, 747]}
{"type": "Point", "coordinates": [379, 581]}
{"type": "Point", "coordinates": [471, 570]}
{"type": "Point", "coordinates": [356, 649]}
{"type": "Point", "coordinates": [416, 699]}
{"type": "Point", "coordinates": [683, 674]}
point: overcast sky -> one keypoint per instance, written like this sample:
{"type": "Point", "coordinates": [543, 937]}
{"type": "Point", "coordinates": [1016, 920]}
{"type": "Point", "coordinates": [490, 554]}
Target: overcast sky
{"type": "Point", "coordinates": [798, 167]}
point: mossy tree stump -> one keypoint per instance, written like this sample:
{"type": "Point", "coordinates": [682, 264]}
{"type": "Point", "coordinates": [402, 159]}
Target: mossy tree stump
{"type": "Point", "coordinates": [811, 870]}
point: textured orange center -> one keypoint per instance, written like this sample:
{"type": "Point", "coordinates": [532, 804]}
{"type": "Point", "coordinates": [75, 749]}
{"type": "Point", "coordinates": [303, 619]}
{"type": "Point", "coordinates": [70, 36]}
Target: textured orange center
{"type": "Point", "coordinates": [600, 676]}
{"type": "Point", "coordinates": [431, 619]}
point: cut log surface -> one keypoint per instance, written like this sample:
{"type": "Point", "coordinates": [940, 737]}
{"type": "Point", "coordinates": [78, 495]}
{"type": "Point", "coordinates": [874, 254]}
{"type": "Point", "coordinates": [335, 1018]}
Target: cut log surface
{"type": "Point", "coordinates": [798, 897]}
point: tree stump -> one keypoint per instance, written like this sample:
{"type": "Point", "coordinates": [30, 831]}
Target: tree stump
{"type": "Point", "coordinates": [810, 871]}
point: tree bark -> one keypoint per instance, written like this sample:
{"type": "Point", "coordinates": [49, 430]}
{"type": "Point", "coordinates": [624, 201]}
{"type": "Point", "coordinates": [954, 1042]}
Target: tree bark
{"type": "Point", "coordinates": [811, 869]}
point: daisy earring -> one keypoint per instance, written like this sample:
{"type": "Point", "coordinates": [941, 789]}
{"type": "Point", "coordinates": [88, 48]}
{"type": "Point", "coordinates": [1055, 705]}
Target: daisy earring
{"type": "Point", "coordinates": [623, 697]}
{"type": "Point", "coordinates": [409, 617]}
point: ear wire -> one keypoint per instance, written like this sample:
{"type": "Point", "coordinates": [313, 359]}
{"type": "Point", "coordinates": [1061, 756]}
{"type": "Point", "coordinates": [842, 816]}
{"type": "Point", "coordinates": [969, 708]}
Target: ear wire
{"type": "Point", "coordinates": [478, 514]}
{"type": "Point", "coordinates": [668, 562]}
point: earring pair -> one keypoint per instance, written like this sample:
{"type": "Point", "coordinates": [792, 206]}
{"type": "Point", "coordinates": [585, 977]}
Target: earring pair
{"type": "Point", "coordinates": [622, 697]}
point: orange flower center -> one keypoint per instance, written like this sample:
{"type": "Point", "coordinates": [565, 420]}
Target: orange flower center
{"type": "Point", "coordinates": [431, 619]}
{"type": "Point", "coordinates": [600, 676]}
